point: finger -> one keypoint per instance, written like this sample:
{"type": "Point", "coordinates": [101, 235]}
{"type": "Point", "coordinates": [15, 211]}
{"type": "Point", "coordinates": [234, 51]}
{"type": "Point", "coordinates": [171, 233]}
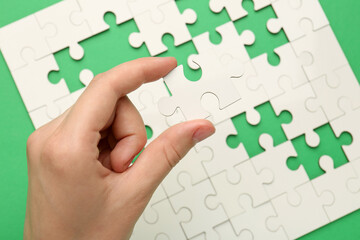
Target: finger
{"type": "Point", "coordinates": [156, 161]}
{"type": "Point", "coordinates": [129, 130]}
{"type": "Point", "coordinates": [96, 105]}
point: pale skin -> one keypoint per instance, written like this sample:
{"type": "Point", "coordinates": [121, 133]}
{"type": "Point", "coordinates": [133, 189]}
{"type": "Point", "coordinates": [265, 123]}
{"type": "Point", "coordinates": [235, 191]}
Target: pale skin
{"type": "Point", "coordinates": [80, 182]}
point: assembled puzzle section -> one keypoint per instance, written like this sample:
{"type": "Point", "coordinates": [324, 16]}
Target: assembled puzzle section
{"type": "Point", "coordinates": [218, 192]}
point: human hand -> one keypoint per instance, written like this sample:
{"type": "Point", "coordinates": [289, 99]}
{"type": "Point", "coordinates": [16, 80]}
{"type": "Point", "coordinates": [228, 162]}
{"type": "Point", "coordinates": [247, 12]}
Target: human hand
{"type": "Point", "coordinates": [80, 183]}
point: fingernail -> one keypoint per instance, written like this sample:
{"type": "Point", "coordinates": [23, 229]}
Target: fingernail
{"type": "Point", "coordinates": [202, 133]}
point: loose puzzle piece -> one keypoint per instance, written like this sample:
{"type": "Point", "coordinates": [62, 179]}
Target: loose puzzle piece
{"type": "Point", "coordinates": [335, 181]}
{"type": "Point", "coordinates": [322, 47]}
{"type": "Point", "coordinates": [202, 218]}
{"type": "Point", "coordinates": [348, 123]}
{"type": "Point", "coordinates": [235, 8]}
{"type": "Point", "coordinates": [309, 157]}
{"type": "Point", "coordinates": [330, 88]}
{"type": "Point", "coordinates": [269, 76]}
{"type": "Point", "coordinates": [303, 121]}
{"type": "Point", "coordinates": [190, 165]}
{"type": "Point", "coordinates": [291, 12]}
{"type": "Point", "coordinates": [300, 213]}
{"type": "Point", "coordinates": [232, 44]}
{"type": "Point", "coordinates": [223, 157]}
{"type": "Point", "coordinates": [253, 220]}
{"type": "Point", "coordinates": [186, 95]}
{"type": "Point", "coordinates": [93, 11]}
{"type": "Point", "coordinates": [15, 37]}
{"type": "Point", "coordinates": [162, 214]}
{"type": "Point", "coordinates": [228, 190]}
{"type": "Point", "coordinates": [61, 31]}
{"type": "Point", "coordinates": [274, 160]}
{"type": "Point", "coordinates": [151, 32]}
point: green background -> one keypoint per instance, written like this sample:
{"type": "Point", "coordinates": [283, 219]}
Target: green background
{"type": "Point", "coordinates": [111, 48]}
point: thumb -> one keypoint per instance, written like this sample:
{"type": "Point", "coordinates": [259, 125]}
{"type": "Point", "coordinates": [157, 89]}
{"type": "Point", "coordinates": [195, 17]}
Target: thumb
{"type": "Point", "coordinates": [156, 161]}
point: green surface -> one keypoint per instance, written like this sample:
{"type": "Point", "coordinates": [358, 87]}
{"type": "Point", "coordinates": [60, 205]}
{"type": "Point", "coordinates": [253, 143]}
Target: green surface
{"type": "Point", "coordinates": [111, 48]}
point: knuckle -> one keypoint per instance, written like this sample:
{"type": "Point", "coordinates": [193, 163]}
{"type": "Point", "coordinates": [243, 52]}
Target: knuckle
{"type": "Point", "coordinates": [172, 154]}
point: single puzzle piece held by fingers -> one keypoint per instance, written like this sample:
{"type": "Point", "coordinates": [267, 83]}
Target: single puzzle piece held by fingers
{"type": "Point", "coordinates": [348, 123]}
{"type": "Point", "coordinates": [291, 12]}
{"type": "Point", "coordinates": [151, 32]}
{"type": "Point", "coordinates": [235, 8]}
{"type": "Point", "coordinates": [300, 213]}
{"type": "Point", "coordinates": [335, 181]}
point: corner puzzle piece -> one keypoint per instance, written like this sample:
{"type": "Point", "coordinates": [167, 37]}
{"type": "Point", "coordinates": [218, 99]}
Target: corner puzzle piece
{"type": "Point", "coordinates": [322, 47]}
{"type": "Point", "coordinates": [274, 160]}
{"type": "Point", "coordinates": [191, 166]}
{"type": "Point", "coordinates": [151, 32]}
{"type": "Point", "coordinates": [303, 121]}
{"type": "Point", "coordinates": [162, 215]}
{"type": "Point", "coordinates": [330, 88]}
{"type": "Point", "coordinates": [268, 76]}
{"type": "Point", "coordinates": [300, 213]}
{"type": "Point", "coordinates": [235, 8]}
{"type": "Point", "coordinates": [186, 95]}
{"type": "Point", "coordinates": [348, 123]}
{"type": "Point", "coordinates": [33, 83]}
{"type": "Point", "coordinates": [291, 12]}
{"type": "Point", "coordinates": [229, 190]}
{"type": "Point", "coordinates": [335, 181]}
{"type": "Point", "coordinates": [15, 37]}
{"type": "Point", "coordinates": [223, 157]}
{"type": "Point", "coordinates": [138, 7]}
{"type": "Point", "coordinates": [309, 157]}
{"type": "Point", "coordinates": [52, 110]}
{"type": "Point", "coordinates": [232, 44]}
{"type": "Point", "coordinates": [61, 31]}
{"type": "Point", "coordinates": [93, 11]}
{"type": "Point", "coordinates": [202, 218]}
{"type": "Point", "coordinates": [253, 220]}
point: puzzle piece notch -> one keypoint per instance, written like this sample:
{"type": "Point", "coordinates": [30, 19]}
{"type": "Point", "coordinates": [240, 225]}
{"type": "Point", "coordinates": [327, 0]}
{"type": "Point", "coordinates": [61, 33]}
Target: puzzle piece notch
{"type": "Point", "coordinates": [315, 46]}
{"type": "Point", "coordinates": [174, 23]}
{"type": "Point", "coordinates": [330, 88]}
{"type": "Point", "coordinates": [61, 32]}
{"type": "Point", "coordinates": [232, 43]}
{"type": "Point", "coordinates": [268, 75]}
{"type": "Point", "coordinates": [303, 121]}
{"type": "Point", "coordinates": [228, 189]}
{"type": "Point", "coordinates": [253, 220]}
{"type": "Point", "coordinates": [336, 181]}
{"type": "Point", "coordinates": [19, 35]}
{"type": "Point", "coordinates": [93, 13]}
{"type": "Point", "coordinates": [290, 13]}
{"type": "Point", "coordinates": [193, 197]}
{"type": "Point", "coordinates": [301, 212]}
{"type": "Point", "coordinates": [274, 160]}
{"type": "Point", "coordinates": [235, 8]}
{"type": "Point", "coordinates": [349, 122]}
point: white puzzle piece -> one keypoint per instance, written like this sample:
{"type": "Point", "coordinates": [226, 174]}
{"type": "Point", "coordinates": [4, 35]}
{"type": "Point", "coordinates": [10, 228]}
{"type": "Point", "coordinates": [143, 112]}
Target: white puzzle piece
{"type": "Point", "coordinates": [235, 8]}
{"type": "Point", "coordinates": [291, 12]}
{"type": "Point", "coordinates": [138, 7]}
{"type": "Point", "coordinates": [274, 160]}
{"type": "Point", "coordinates": [15, 37]}
{"type": "Point", "coordinates": [202, 218]}
{"type": "Point", "coordinates": [301, 213]}
{"type": "Point", "coordinates": [151, 32]}
{"type": "Point", "coordinates": [330, 88]}
{"type": "Point", "coordinates": [303, 121]}
{"type": "Point", "coordinates": [348, 123]}
{"type": "Point", "coordinates": [335, 181]}
{"type": "Point", "coordinates": [61, 31]}
{"type": "Point", "coordinates": [93, 11]}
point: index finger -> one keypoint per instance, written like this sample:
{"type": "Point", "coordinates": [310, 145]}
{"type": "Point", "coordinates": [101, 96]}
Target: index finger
{"type": "Point", "coordinates": [96, 105]}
